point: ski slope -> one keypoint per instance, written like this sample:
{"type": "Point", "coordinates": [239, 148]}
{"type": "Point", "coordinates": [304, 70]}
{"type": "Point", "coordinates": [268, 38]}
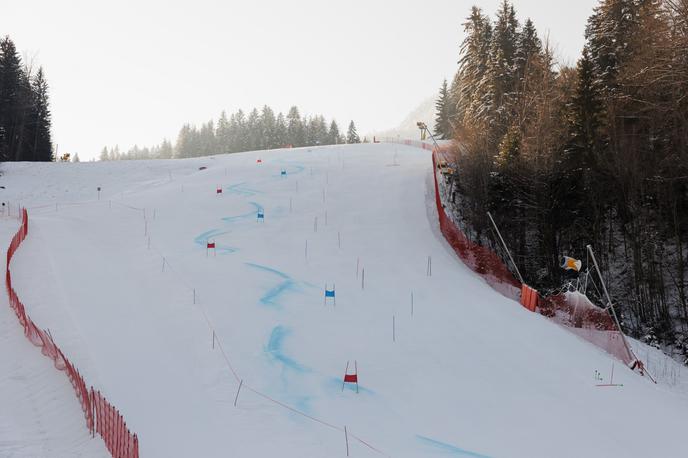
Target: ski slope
{"type": "Point", "coordinates": [130, 293]}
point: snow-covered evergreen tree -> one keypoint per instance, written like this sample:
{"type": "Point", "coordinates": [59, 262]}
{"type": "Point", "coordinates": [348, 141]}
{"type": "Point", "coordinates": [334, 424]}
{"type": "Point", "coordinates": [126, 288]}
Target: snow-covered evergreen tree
{"type": "Point", "coordinates": [352, 135]}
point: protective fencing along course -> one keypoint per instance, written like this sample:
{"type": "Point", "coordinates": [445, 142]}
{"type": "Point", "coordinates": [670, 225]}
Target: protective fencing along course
{"type": "Point", "coordinates": [100, 415]}
{"type": "Point", "coordinates": [572, 310]}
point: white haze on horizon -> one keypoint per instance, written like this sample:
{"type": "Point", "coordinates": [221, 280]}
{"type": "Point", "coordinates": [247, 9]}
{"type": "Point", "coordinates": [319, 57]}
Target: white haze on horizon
{"type": "Point", "coordinates": [132, 72]}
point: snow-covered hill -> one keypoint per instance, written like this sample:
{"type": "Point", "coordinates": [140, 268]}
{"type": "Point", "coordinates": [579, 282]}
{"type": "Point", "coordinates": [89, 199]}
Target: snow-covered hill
{"type": "Point", "coordinates": [446, 366]}
{"type": "Point", "coordinates": [407, 128]}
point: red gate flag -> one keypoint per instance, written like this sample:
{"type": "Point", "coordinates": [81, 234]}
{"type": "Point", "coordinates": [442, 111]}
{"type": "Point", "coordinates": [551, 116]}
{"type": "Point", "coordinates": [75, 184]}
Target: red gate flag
{"type": "Point", "coordinates": [219, 190]}
{"type": "Point", "coordinates": [351, 378]}
{"type": "Point", "coordinates": [211, 244]}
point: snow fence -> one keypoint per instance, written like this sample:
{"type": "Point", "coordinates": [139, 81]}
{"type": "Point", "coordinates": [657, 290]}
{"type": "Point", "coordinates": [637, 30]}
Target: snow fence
{"type": "Point", "coordinates": [101, 417]}
{"type": "Point", "coordinates": [574, 311]}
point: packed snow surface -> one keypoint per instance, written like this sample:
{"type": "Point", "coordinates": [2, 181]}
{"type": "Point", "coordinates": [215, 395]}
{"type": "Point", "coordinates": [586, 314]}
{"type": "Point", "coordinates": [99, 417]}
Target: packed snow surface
{"type": "Point", "coordinates": [168, 329]}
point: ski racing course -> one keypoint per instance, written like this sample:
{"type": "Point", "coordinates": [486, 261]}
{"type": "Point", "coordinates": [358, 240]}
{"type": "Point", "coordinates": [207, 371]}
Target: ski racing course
{"type": "Point", "coordinates": [236, 351]}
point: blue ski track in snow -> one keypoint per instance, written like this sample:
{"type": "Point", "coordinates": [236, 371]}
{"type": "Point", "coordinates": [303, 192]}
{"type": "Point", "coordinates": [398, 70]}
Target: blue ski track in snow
{"type": "Point", "coordinates": [274, 349]}
{"type": "Point", "coordinates": [256, 208]}
{"type": "Point", "coordinates": [444, 448]}
{"type": "Point", "coordinates": [272, 296]}
{"type": "Point", "coordinates": [203, 238]}
{"type": "Point", "coordinates": [241, 189]}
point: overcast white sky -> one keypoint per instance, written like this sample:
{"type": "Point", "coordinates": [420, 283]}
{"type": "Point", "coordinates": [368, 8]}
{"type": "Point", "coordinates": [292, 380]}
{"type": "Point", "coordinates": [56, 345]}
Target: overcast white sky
{"type": "Point", "coordinates": [132, 72]}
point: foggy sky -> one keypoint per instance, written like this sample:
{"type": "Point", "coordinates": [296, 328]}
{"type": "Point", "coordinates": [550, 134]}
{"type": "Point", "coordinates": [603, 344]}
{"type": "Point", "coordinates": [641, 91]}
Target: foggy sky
{"type": "Point", "coordinates": [132, 72]}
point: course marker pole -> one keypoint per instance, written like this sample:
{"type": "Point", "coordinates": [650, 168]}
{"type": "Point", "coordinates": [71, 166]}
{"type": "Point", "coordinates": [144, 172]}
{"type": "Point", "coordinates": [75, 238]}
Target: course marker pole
{"type": "Point", "coordinates": [236, 398]}
{"type": "Point", "coordinates": [346, 438]}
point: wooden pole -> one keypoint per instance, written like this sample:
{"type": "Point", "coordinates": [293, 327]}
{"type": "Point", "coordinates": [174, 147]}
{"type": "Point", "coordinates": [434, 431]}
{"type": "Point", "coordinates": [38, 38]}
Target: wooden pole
{"type": "Point", "coordinates": [363, 278]}
{"type": "Point", "coordinates": [346, 438]}
{"type": "Point", "coordinates": [236, 398]}
{"type": "Point", "coordinates": [213, 344]}
{"type": "Point", "coordinates": [194, 298]}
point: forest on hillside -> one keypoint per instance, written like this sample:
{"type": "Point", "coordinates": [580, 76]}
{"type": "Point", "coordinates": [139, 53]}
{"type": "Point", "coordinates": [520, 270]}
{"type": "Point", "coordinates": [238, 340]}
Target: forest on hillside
{"type": "Point", "coordinates": [24, 108]}
{"type": "Point", "coordinates": [258, 130]}
{"type": "Point", "coordinates": [596, 154]}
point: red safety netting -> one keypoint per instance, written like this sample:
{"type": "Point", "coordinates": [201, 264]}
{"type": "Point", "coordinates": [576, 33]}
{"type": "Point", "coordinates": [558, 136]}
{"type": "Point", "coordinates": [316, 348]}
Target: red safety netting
{"type": "Point", "coordinates": [97, 411]}
{"type": "Point", "coordinates": [571, 310]}
{"type": "Point", "coordinates": [113, 429]}
{"type": "Point", "coordinates": [580, 316]}
{"type": "Point", "coordinates": [479, 258]}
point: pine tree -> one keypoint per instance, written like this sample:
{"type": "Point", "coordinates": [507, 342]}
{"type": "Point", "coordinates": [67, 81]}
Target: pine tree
{"type": "Point", "coordinates": [280, 131]}
{"type": "Point", "coordinates": [352, 135]}
{"type": "Point", "coordinates": [223, 134]}
{"type": "Point", "coordinates": [42, 145]}
{"type": "Point", "coordinates": [469, 86]}
{"type": "Point", "coordinates": [254, 131]}
{"type": "Point", "coordinates": [333, 137]}
{"type": "Point", "coordinates": [586, 112]}
{"type": "Point", "coordinates": [267, 128]}
{"type": "Point", "coordinates": [10, 109]}
{"type": "Point", "coordinates": [295, 129]}
{"type": "Point", "coordinates": [443, 117]}
{"type": "Point", "coordinates": [182, 148]}
{"type": "Point", "coordinates": [609, 34]}
{"type": "Point", "coordinates": [499, 79]}
{"type": "Point", "coordinates": [528, 47]}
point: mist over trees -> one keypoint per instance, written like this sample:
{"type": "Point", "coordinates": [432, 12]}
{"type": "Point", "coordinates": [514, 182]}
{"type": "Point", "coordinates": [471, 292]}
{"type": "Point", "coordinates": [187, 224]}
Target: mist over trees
{"type": "Point", "coordinates": [257, 130]}
{"type": "Point", "coordinates": [596, 154]}
{"type": "Point", "coordinates": [24, 109]}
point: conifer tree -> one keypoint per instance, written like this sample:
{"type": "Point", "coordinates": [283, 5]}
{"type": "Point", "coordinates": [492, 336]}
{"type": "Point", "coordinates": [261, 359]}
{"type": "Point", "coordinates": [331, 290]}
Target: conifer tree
{"type": "Point", "coordinates": [352, 135]}
{"type": "Point", "coordinates": [443, 117]}
{"type": "Point", "coordinates": [10, 109]}
{"type": "Point", "coordinates": [295, 129]}
{"type": "Point", "coordinates": [223, 134]}
{"type": "Point", "coordinates": [280, 131]}
{"type": "Point", "coordinates": [42, 143]}
{"type": "Point", "coordinates": [333, 137]}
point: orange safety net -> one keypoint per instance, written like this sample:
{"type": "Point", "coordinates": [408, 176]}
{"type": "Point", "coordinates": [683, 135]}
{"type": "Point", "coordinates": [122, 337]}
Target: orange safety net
{"type": "Point", "coordinates": [97, 411]}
